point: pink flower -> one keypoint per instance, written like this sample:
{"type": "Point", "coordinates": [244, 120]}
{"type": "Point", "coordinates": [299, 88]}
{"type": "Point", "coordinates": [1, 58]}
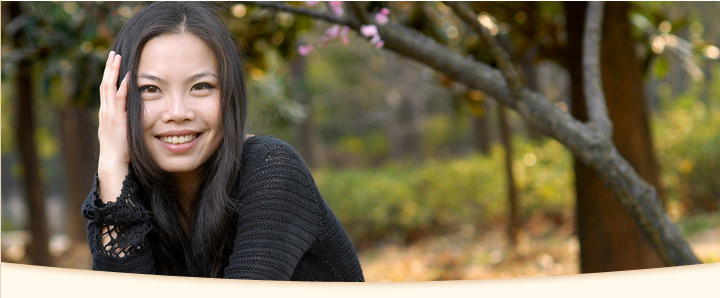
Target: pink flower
{"type": "Point", "coordinates": [333, 32]}
{"type": "Point", "coordinates": [385, 11]}
{"type": "Point", "coordinates": [381, 19]}
{"type": "Point", "coordinates": [343, 35]}
{"type": "Point", "coordinates": [338, 11]}
{"type": "Point", "coordinates": [369, 30]}
{"type": "Point", "coordinates": [336, 7]}
{"type": "Point", "coordinates": [375, 39]}
{"type": "Point", "coordinates": [380, 44]}
{"type": "Point", "coordinates": [305, 49]}
{"type": "Point", "coordinates": [311, 3]}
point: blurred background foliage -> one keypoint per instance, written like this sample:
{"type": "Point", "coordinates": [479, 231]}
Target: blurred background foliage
{"type": "Point", "coordinates": [397, 150]}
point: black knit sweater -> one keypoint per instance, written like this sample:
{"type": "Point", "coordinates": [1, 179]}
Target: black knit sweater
{"type": "Point", "coordinates": [285, 230]}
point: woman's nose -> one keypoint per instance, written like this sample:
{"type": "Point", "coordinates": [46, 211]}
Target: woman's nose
{"type": "Point", "coordinates": [178, 110]}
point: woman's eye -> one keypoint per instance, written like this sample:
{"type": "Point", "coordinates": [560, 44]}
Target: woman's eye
{"type": "Point", "coordinates": [149, 89]}
{"type": "Point", "coordinates": [202, 86]}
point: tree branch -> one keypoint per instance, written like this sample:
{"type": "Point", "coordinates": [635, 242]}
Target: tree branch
{"type": "Point", "coordinates": [501, 56]}
{"type": "Point", "coordinates": [327, 17]}
{"type": "Point", "coordinates": [358, 9]}
{"type": "Point", "coordinates": [587, 144]}
{"type": "Point", "coordinates": [592, 81]}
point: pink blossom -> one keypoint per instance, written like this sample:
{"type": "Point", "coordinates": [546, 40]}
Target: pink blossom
{"type": "Point", "coordinates": [302, 50]}
{"type": "Point", "coordinates": [380, 44]}
{"type": "Point", "coordinates": [311, 3]}
{"type": "Point", "coordinates": [369, 30]}
{"type": "Point", "coordinates": [338, 11]}
{"type": "Point", "coordinates": [333, 32]}
{"type": "Point", "coordinates": [305, 49]}
{"type": "Point", "coordinates": [343, 35]}
{"type": "Point", "coordinates": [375, 39]}
{"type": "Point", "coordinates": [336, 7]}
{"type": "Point", "coordinates": [385, 11]}
{"type": "Point", "coordinates": [381, 19]}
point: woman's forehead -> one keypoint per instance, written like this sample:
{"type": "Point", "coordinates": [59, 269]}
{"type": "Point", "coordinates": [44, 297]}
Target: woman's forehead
{"type": "Point", "coordinates": [181, 54]}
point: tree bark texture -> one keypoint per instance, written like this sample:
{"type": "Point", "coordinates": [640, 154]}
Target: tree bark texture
{"type": "Point", "coordinates": [80, 152]}
{"type": "Point", "coordinates": [307, 134]}
{"type": "Point", "coordinates": [25, 134]}
{"type": "Point", "coordinates": [481, 132]}
{"type": "Point", "coordinates": [609, 239]}
{"type": "Point", "coordinates": [586, 143]}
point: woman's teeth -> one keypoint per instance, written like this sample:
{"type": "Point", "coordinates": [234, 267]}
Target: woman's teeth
{"type": "Point", "coordinates": [178, 139]}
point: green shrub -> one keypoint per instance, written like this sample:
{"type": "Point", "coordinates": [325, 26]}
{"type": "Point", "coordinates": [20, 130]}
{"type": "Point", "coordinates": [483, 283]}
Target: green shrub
{"type": "Point", "coordinates": [688, 145]}
{"type": "Point", "coordinates": [404, 199]}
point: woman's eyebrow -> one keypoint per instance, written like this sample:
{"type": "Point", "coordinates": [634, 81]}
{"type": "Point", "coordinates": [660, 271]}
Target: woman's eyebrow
{"type": "Point", "coordinates": [200, 75]}
{"type": "Point", "coordinates": [151, 77]}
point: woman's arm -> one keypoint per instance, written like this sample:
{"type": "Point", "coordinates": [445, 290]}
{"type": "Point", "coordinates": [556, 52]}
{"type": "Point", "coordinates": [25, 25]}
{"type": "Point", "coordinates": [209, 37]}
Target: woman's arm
{"type": "Point", "coordinates": [114, 159]}
{"type": "Point", "coordinates": [117, 227]}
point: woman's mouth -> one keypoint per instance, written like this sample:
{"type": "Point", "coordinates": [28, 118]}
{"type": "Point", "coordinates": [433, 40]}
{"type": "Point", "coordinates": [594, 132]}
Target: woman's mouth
{"type": "Point", "coordinates": [179, 142]}
{"type": "Point", "coordinates": [178, 139]}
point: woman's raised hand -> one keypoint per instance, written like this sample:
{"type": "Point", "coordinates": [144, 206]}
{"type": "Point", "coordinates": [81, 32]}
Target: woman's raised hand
{"type": "Point", "coordinates": [114, 159]}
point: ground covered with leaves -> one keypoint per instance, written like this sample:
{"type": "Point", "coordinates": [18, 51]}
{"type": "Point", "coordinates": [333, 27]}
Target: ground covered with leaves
{"type": "Point", "coordinates": [544, 249]}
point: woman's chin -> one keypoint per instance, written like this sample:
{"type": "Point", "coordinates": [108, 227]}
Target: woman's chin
{"type": "Point", "coordinates": [179, 167]}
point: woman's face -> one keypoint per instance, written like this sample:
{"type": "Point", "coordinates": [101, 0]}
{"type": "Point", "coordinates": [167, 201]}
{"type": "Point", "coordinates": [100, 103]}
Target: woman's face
{"type": "Point", "coordinates": [179, 85]}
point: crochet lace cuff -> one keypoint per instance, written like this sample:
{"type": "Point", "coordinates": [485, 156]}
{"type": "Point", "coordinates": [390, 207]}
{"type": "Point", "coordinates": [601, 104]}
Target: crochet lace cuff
{"type": "Point", "coordinates": [119, 228]}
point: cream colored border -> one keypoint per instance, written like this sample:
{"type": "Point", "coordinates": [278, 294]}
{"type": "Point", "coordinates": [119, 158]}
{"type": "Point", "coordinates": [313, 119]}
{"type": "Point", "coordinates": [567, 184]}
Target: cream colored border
{"type": "Point", "coordinates": [36, 281]}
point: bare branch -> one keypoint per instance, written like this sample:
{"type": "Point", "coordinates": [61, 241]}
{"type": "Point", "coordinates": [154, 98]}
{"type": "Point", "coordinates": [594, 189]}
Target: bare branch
{"type": "Point", "coordinates": [280, 6]}
{"type": "Point", "coordinates": [359, 9]}
{"type": "Point", "coordinates": [501, 56]}
{"type": "Point", "coordinates": [594, 95]}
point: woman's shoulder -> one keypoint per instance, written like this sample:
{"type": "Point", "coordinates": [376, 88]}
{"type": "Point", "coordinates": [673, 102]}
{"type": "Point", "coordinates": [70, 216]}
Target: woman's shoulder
{"type": "Point", "coordinates": [252, 141]}
{"type": "Point", "coordinates": [261, 145]}
{"type": "Point", "coordinates": [273, 169]}
{"type": "Point", "coordinates": [266, 150]}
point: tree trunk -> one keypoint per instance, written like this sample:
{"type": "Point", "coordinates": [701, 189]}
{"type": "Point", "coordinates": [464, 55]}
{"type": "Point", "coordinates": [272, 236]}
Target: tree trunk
{"type": "Point", "coordinates": [513, 205]}
{"type": "Point", "coordinates": [25, 133]}
{"type": "Point", "coordinates": [609, 239]}
{"type": "Point", "coordinates": [80, 151]}
{"type": "Point", "coordinates": [307, 136]}
{"type": "Point", "coordinates": [480, 123]}
{"type": "Point", "coordinates": [481, 133]}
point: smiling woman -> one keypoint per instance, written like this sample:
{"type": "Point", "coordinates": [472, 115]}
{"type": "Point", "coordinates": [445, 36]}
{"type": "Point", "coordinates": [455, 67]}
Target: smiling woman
{"type": "Point", "coordinates": [180, 189]}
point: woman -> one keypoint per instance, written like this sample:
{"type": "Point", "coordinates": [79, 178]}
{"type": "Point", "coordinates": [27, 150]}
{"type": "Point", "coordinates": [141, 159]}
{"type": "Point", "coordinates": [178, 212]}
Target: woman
{"type": "Point", "coordinates": [178, 190]}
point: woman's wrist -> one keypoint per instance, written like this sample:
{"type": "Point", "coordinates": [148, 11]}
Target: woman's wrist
{"type": "Point", "coordinates": [110, 177]}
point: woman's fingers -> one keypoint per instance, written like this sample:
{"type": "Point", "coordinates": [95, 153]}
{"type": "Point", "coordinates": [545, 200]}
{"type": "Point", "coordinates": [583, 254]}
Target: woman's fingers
{"type": "Point", "coordinates": [121, 95]}
{"type": "Point", "coordinates": [106, 82]}
{"type": "Point", "coordinates": [108, 87]}
{"type": "Point", "coordinates": [113, 75]}
{"type": "Point", "coordinates": [103, 83]}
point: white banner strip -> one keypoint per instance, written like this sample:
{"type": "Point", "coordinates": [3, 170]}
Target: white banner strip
{"type": "Point", "coordinates": [36, 281]}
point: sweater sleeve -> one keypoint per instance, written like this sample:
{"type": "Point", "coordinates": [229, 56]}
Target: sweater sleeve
{"type": "Point", "coordinates": [279, 214]}
{"type": "Point", "coordinates": [125, 225]}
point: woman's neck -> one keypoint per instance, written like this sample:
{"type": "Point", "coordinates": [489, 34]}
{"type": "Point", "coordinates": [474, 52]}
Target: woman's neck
{"type": "Point", "coordinates": [188, 185]}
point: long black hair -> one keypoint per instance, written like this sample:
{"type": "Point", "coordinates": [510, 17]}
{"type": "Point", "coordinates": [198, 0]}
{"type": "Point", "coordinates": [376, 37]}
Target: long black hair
{"type": "Point", "coordinates": [205, 248]}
